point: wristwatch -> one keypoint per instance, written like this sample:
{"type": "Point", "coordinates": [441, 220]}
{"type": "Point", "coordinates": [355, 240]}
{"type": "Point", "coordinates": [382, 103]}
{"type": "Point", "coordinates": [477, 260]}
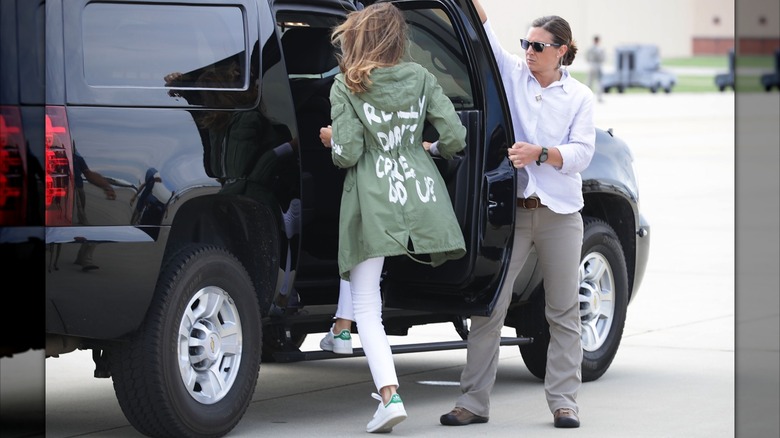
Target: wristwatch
{"type": "Point", "coordinates": [542, 157]}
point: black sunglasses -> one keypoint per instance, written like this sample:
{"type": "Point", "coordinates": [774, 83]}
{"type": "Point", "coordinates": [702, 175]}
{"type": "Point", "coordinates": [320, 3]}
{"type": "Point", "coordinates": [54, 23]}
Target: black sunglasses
{"type": "Point", "coordinates": [538, 47]}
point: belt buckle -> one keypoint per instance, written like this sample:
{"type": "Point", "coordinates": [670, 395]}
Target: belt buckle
{"type": "Point", "coordinates": [536, 203]}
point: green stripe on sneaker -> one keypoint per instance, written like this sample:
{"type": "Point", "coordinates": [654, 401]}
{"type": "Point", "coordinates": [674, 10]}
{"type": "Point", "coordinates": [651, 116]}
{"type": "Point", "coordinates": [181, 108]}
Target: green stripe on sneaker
{"type": "Point", "coordinates": [394, 399]}
{"type": "Point", "coordinates": [344, 335]}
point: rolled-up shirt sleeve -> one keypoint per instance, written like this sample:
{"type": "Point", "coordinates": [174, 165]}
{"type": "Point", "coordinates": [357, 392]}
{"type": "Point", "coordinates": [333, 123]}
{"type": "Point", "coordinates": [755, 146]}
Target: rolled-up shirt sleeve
{"type": "Point", "coordinates": [578, 152]}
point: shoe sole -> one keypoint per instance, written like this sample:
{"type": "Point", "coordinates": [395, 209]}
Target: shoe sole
{"type": "Point", "coordinates": [453, 422]}
{"type": "Point", "coordinates": [388, 425]}
{"type": "Point", "coordinates": [334, 349]}
{"type": "Point", "coordinates": [567, 424]}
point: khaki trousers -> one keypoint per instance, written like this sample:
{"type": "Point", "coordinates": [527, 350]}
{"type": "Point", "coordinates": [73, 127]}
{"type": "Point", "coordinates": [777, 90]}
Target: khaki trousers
{"type": "Point", "coordinates": [558, 242]}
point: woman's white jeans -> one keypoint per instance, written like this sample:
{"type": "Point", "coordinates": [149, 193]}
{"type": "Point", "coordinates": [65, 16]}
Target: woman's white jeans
{"type": "Point", "coordinates": [360, 300]}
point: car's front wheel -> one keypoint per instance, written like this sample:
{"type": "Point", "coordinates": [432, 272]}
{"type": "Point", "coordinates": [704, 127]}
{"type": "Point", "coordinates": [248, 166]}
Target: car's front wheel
{"type": "Point", "coordinates": [192, 368]}
{"type": "Point", "coordinates": [603, 296]}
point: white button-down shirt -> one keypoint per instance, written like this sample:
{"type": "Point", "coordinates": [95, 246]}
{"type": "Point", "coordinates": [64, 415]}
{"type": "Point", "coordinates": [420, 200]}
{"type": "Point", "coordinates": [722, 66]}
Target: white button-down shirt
{"type": "Point", "coordinates": [561, 116]}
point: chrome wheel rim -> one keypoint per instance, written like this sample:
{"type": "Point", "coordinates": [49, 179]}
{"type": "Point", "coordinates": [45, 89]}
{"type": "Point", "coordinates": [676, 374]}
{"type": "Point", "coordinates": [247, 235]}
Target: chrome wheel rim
{"type": "Point", "coordinates": [209, 345]}
{"type": "Point", "coordinates": [597, 300]}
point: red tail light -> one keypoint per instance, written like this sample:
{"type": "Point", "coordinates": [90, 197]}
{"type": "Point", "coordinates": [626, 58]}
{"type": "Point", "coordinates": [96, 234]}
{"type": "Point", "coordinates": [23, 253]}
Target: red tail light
{"type": "Point", "coordinates": [59, 168]}
{"type": "Point", "coordinates": [13, 168]}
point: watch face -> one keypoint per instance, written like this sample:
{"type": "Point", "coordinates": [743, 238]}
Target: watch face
{"type": "Point", "coordinates": [542, 157]}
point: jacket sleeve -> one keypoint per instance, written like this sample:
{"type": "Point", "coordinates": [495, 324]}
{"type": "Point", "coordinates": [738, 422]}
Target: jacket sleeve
{"type": "Point", "coordinates": [348, 135]}
{"type": "Point", "coordinates": [442, 115]}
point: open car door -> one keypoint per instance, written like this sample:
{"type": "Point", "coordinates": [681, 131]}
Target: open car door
{"type": "Point", "coordinates": [447, 38]}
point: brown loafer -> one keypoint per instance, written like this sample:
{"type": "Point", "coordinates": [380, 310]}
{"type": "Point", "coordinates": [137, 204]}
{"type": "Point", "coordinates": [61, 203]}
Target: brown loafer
{"type": "Point", "coordinates": [566, 418]}
{"type": "Point", "coordinates": [461, 417]}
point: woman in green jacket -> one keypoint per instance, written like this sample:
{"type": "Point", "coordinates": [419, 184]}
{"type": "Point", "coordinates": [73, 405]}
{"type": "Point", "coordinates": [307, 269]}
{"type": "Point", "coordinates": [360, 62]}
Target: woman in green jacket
{"type": "Point", "coordinates": [394, 201]}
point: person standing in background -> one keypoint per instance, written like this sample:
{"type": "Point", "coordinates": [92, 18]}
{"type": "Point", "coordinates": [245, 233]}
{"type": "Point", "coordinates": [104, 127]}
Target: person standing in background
{"type": "Point", "coordinates": [595, 57]}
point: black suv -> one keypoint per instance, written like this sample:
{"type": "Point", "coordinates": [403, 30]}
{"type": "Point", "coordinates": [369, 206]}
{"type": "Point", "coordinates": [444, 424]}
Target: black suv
{"type": "Point", "coordinates": [172, 184]}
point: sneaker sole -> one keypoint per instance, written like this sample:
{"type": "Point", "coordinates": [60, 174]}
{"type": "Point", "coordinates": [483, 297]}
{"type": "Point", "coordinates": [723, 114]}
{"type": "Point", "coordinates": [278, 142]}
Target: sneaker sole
{"type": "Point", "coordinates": [342, 350]}
{"type": "Point", "coordinates": [388, 425]}
{"type": "Point", "coordinates": [324, 346]}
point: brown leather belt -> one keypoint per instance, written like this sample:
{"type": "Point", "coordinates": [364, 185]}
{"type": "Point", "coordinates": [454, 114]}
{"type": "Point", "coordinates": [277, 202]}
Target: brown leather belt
{"type": "Point", "coordinates": [530, 203]}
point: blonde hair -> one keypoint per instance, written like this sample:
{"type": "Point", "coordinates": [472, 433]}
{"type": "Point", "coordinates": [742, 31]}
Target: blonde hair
{"type": "Point", "coordinates": [372, 37]}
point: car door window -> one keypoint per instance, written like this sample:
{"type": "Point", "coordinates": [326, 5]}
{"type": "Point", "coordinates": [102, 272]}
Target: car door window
{"type": "Point", "coordinates": [435, 45]}
{"type": "Point", "coordinates": [123, 53]}
{"type": "Point", "coordinates": [136, 45]}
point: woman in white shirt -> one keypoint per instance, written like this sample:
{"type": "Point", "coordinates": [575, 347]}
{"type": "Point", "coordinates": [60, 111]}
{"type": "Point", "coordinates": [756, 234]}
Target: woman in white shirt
{"type": "Point", "coordinates": [552, 114]}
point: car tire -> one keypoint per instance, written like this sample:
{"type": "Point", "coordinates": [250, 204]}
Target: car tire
{"type": "Point", "coordinates": [192, 367]}
{"type": "Point", "coordinates": [603, 299]}
{"type": "Point", "coordinates": [532, 323]}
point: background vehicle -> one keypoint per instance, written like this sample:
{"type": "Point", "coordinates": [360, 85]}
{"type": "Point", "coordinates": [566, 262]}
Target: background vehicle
{"type": "Point", "coordinates": [638, 65]}
{"type": "Point", "coordinates": [726, 80]}
{"type": "Point", "coordinates": [769, 80]}
{"type": "Point", "coordinates": [215, 247]}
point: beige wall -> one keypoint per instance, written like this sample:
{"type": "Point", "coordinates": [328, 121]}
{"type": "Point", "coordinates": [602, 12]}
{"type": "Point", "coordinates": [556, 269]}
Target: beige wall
{"type": "Point", "coordinates": [672, 25]}
{"type": "Point", "coordinates": [714, 18]}
{"type": "Point", "coordinates": [749, 18]}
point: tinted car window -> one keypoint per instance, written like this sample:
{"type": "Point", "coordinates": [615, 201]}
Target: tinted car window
{"type": "Point", "coordinates": [435, 46]}
{"type": "Point", "coordinates": [132, 45]}
{"type": "Point", "coordinates": [31, 58]}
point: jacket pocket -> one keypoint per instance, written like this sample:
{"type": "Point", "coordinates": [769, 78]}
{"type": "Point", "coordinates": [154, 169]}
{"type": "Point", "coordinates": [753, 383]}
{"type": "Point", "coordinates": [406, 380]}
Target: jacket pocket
{"type": "Point", "coordinates": [336, 110]}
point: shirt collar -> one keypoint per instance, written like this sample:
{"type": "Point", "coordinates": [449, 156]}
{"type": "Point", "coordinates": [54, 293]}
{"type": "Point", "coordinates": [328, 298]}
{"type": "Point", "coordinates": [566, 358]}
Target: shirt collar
{"type": "Point", "coordinates": [564, 82]}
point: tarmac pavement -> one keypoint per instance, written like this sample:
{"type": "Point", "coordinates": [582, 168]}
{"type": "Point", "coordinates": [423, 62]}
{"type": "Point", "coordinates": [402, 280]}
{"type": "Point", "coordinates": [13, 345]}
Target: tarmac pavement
{"type": "Point", "coordinates": [673, 376]}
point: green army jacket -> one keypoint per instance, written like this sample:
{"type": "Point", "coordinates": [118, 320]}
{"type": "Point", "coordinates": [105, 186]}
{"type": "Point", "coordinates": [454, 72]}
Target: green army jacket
{"type": "Point", "coordinates": [394, 200]}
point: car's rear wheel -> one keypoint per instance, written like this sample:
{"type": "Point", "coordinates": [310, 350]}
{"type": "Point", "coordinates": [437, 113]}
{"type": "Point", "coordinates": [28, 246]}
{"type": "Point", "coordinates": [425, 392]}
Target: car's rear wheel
{"type": "Point", "coordinates": [603, 296]}
{"type": "Point", "coordinates": [192, 368]}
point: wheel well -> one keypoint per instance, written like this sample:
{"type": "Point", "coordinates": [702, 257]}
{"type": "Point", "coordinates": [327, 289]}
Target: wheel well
{"type": "Point", "coordinates": [618, 213]}
{"type": "Point", "coordinates": [249, 230]}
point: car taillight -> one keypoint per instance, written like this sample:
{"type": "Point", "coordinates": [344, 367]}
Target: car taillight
{"type": "Point", "coordinates": [13, 168]}
{"type": "Point", "coordinates": [59, 168]}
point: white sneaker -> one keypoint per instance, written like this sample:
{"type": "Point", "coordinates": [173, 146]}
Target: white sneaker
{"type": "Point", "coordinates": [387, 415]}
{"type": "Point", "coordinates": [339, 344]}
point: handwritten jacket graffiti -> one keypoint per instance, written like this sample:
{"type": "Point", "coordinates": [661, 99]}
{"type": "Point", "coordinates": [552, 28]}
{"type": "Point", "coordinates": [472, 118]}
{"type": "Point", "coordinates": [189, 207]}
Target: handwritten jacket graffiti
{"type": "Point", "coordinates": [394, 199]}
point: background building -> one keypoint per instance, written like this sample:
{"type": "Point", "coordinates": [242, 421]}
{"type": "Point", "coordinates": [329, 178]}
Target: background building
{"type": "Point", "coordinates": [680, 28]}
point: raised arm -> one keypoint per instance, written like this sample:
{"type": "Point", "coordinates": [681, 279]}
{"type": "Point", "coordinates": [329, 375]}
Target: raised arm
{"type": "Point", "coordinates": [480, 11]}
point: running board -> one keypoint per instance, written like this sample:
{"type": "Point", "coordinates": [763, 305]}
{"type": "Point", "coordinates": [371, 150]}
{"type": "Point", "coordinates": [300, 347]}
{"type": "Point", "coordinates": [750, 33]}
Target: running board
{"type": "Point", "coordinates": [299, 356]}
